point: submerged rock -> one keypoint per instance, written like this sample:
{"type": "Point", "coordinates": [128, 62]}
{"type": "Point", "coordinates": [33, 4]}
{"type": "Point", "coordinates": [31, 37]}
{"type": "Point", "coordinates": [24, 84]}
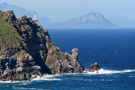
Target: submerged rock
{"type": "Point", "coordinates": [94, 67]}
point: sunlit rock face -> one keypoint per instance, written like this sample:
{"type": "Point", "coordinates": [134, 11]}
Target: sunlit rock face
{"type": "Point", "coordinates": [27, 51]}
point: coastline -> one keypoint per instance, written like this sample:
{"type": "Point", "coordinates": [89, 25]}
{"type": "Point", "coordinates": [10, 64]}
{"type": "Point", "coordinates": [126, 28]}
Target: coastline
{"type": "Point", "coordinates": [86, 72]}
{"type": "Point", "coordinates": [29, 51]}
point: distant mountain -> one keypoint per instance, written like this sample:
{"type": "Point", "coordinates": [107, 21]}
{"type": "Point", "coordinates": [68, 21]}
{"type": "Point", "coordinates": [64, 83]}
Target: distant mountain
{"type": "Point", "coordinates": [90, 20]}
{"type": "Point", "coordinates": [44, 21]}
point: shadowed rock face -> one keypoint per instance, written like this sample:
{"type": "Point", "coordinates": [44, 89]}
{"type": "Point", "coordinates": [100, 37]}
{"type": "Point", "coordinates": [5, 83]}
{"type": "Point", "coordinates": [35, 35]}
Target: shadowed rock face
{"type": "Point", "coordinates": [94, 67]}
{"type": "Point", "coordinates": [28, 51]}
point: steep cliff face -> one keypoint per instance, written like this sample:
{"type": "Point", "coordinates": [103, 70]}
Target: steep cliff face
{"type": "Point", "coordinates": [26, 51]}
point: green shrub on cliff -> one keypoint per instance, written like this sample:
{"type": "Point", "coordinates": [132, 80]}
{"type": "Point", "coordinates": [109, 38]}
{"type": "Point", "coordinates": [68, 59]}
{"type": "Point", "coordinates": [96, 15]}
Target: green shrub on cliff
{"type": "Point", "coordinates": [9, 37]}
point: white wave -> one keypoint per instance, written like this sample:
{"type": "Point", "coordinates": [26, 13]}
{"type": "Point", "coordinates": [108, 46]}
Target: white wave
{"type": "Point", "coordinates": [103, 71]}
{"type": "Point", "coordinates": [47, 78]}
{"type": "Point", "coordinates": [54, 77]}
{"type": "Point", "coordinates": [12, 81]}
{"type": "Point", "coordinates": [22, 88]}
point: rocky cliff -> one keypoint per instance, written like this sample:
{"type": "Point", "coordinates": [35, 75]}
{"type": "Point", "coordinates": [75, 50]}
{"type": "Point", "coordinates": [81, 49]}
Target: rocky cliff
{"type": "Point", "coordinates": [27, 51]}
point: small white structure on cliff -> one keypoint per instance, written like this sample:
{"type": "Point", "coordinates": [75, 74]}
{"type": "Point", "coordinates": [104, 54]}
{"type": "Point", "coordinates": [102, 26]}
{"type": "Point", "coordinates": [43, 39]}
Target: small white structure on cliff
{"type": "Point", "coordinates": [35, 20]}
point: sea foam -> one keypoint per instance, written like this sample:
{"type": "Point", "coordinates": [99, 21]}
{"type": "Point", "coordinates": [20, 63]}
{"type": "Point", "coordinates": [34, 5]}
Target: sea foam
{"type": "Point", "coordinates": [44, 78]}
{"type": "Point", "coordinates": [103, 71]}
{"type": "Point", "coordinates": [12, 81]}
{"type": "Point", "coordinates": [47, 78]}
{"type": "Point", "coordinates": [54, 77]}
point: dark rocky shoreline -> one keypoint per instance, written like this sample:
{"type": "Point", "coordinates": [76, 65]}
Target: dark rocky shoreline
{"type": "Point", "coordinates": [27, 51]}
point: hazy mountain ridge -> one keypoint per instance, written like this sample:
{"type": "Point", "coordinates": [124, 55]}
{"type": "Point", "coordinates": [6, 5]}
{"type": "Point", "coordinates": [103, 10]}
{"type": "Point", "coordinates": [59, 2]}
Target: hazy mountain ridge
{"type": "Point", "coordinates": [90, 20]}
{"type": "Point", "coordinates": [93, 16]}
{"type": "Point", "coordinates": [21, 11]}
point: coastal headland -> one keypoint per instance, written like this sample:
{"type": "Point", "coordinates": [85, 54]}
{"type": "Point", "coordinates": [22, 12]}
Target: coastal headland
{"type": "Point", "coordinates": [27, 51]}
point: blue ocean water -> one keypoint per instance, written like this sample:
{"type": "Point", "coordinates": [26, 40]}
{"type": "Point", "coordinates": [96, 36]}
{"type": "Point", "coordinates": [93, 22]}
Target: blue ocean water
{"type": "Point", "coordinates": [113, 49]}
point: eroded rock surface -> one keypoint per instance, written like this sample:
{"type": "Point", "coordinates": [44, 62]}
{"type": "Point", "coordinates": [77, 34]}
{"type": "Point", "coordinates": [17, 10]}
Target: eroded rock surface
{"type": "Point", "coordinates": [61, 63]}
{"type": "Point", "coordinates": [94, 67]}
{"type": "Point", "coordinates": [27, 51]}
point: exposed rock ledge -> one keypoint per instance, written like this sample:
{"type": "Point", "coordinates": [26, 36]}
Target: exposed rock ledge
{"type": "Point", "coordinates": [27, 51]}
{"type": "Point", "coordinates": [94, 67]}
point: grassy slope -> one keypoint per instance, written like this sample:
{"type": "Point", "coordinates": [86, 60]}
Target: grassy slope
{"type": "Point", "coordinates": [9, 37]}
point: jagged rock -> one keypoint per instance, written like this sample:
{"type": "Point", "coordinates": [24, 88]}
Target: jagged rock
{"type": "Point", "coordinates": [19, 69]}
{"type": "Point", "coordinates": [75, 54]}
{"type": "Point", "coordinates": [36, 67]}
{"type": "Point", "coordinates": [29, 52]}
{"type": "Point", "coordinates": [9, 16]}
{"type": "Point", "coordinates": [22, 77]}
{"type": "Point", "coordinates": [60, 63]}
{"type": "Point", "coordinates": [46, 31]}
{"type": "Point", "coordinates": [94, 67]}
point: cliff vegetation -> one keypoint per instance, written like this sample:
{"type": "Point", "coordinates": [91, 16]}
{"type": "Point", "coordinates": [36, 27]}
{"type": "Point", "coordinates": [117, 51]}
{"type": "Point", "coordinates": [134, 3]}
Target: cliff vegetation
{"type": "Point", "coordinates": [27, 51]}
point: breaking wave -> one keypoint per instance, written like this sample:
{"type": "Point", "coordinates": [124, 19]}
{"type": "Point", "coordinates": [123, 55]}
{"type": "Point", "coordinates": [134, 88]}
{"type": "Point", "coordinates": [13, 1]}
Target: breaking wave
{"type": "Point", "coordinates": [44, 78]}
{"type": "Point", "coordinates": [57, 77]}
{"type": "Point", "coordinates": [47, 78]}
{"type": "Point", "coordinates": [12, 81]}
{"type": "Point", "coordinates": [103, 71]}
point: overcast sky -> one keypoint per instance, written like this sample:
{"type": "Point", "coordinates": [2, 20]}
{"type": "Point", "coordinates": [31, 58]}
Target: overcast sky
{"type": "Point", "coordinates": [60, 10]}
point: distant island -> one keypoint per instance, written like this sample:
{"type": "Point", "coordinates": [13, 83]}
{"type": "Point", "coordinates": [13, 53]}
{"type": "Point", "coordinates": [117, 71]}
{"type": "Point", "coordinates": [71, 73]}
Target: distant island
{"type": "Point", "coordinates": [90, 20]}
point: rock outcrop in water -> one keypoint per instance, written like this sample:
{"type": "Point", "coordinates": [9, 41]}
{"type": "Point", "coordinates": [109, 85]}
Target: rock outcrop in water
{"type": "Point", "coordinates": [94, 67]}
{"type": "Point", "coordinates": [27, 51]}
{"type": "Point", "coordinates": [60, 63]}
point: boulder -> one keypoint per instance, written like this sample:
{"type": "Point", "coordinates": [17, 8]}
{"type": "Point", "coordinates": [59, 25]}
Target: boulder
{"type": "Point", "coordinates": [94, 67]}
{"type": "Point", "coordinates": [19, 69]}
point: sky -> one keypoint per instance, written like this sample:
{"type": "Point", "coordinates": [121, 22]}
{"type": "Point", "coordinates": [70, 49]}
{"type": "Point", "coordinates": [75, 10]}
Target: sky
{"type": "Point", "coordinates": [61, 10]}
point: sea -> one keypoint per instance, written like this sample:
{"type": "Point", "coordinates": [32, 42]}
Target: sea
{"type": "Point", "coordinates": [113, 49]}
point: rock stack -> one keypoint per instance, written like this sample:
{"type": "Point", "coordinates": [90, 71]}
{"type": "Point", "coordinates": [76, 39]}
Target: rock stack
{"type": "Point", "coordinates": [94, 67]}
